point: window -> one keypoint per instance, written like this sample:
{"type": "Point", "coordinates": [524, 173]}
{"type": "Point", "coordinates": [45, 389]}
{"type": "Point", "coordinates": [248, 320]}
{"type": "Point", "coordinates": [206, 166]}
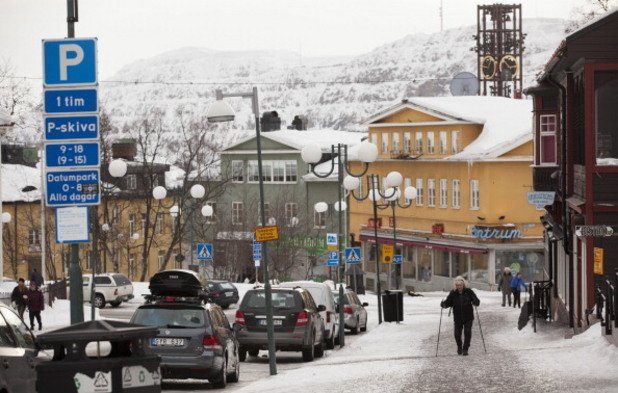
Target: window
{"type": "Point", "coordinates": [418, 143]}
{"type": "Point", "coordinates": [606, 116]}
{"type": "Point", "coordinates": [395, 142]}
{"type": "Point", "coordinates": [443, 142]}
{"type": "Point", "coordinates": [212, 219]}
{"type": "Point", "coordinates": [273, 171]}
{"type": "Point", "coordinates": [291, 214]}
{"type": "Point", "coordinates": [34, 237]}
{"type": "Point", "coordinates": [419, 192]}
{"type": "Point", "coordinates": [474, 194]}
{"type": "Point", "coordinates": [456, 193]}
{"type": "Point", "coordinates": [443, 193]}
{"type": "Point", "coordinates": [267, 213]}
{"type": "Point", "coordinates": [237, 213]}
{"type": "Point", "coordinates": [431, 145]}
{"type": "Point", "coordinates": [291, 172]}
{"type": "Point", "coordinates": [237, 171]}
{"type": "Point", "coordinates": [23, 335]}
{"type": "Point", "coordinates": [455, 141]}
{"type": "Point", "coordinates": [374, 139]}
{"type": "Point", "coordinates": [252, 172]}
{"type": "Point", "coordinates": [267, 171]}
{"type": "Point", "coordinates": [384, 142]}
{"type": "Point", "coordinates": [407, 182]}
{"type": "Point", "coordinates": [319, 219]}
{"type": "Point", "coordinates": [406, 142]}
{"type": "Point", "coordinates": [143, 225]}
{"type": "Point", "coordinates": [159, 225]}
{"type": "Point", "coordinates": [161, 259]}
{"type": "Point", "coordinates": [131, 182]}
{"type": "Point", "coordinates": [115, 214]}
{"type": "Point", "coordinates": [431, 192]}
{"type": "Point", "coordinates": [548, 139]}
{"type": "Point", "coordinates": [131, 224]}
{"type": "Point", "coordinates": [278, 171]}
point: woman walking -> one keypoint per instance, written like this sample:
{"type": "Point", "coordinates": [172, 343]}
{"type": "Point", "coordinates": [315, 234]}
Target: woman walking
{"type": "Point", "coordinates": [505, 286]}
{"type": "Point", "coordinates": [517, 286]}
{"type": "Point", "coordinates": [462, 298]}
{"type": "Point", "coordinates": [36, 304]}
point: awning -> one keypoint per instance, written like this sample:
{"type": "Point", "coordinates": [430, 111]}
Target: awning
{"type": "Point", "coordinates": [427, 245]}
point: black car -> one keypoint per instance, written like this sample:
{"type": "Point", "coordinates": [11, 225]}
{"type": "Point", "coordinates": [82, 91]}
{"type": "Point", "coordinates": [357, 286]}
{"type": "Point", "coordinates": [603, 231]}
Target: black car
{"type": "Point", "coordinates": [195, 339]}
{"type": "Point", "coordinates": [224, 293]}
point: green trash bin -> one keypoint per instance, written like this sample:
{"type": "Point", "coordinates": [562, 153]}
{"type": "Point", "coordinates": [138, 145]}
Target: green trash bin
{"type": "Point", "coordinates": [126, 367]}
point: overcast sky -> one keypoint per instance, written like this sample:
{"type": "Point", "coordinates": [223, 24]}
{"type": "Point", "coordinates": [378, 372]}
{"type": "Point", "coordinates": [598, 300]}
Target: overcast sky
{"type": "Point", "coordinates": [134, 29]}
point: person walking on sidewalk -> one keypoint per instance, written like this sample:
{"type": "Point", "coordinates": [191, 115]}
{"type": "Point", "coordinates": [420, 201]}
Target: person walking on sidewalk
{"type": "Point", "coordinates": [36, 304]}
{"type": "Point", "coordinates": [19, 297]}
{"type": "Point", "coordinates": [517, 286]}
{"type": "Point", "coordinates": [462, 298]}
{"type": "Point", "coordinates": [505, 286]}
{"type": "Point", "coordinates": [36, 277]}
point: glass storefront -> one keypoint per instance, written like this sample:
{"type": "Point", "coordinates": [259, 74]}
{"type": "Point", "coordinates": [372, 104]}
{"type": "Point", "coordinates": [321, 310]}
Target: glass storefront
{"type": "Point", "coordinates": [424, 264]}
{"type": "Point", "coordinates": [528, 262]}
{"type": "Point", "coordinates": [460, 264]}
{"type": "Point", "coordinates": [409, 263]}
{"type": "Point", "coordinates": [478, 268]}
{"type": "Point", "coordinates": [442, 263]}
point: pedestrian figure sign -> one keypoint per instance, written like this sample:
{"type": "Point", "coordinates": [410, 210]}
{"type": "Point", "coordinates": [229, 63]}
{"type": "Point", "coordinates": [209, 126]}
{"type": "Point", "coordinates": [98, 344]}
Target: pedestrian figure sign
{"type": "Point", "coordinates": [331, 239]}
{"type": "Point", "coordinates": [204, 252]}
{"type": "Point", "coordinates": [353, 255]}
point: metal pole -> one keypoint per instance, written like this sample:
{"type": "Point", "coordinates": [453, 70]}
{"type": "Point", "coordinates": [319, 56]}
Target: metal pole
{"type": "Point", "coordinates": [270, 329]}
{"type": "Point", "coordinates": [94, 256]}
{"type": "Point", "coordinates": [393, 204]}
{"type": "Point", "coordinates": [375, 235]}
{"type": "Point", "coordinates": [340, 240]}
{"type": "Point", "coordinates": [43, 228]}
{"type": "Point", "coordinates": [75, 271]}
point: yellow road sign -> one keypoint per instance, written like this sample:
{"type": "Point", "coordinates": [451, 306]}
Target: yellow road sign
{"type": "Point", "coordinates": [598, 260]}
{"type": "Point", "coordinates": [266, 234]}
{"type": "Point", "coordinates": [387, 253]}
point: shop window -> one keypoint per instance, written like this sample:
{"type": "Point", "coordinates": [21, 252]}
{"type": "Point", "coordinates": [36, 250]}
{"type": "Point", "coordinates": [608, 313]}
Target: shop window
{"type": "Point", "coordinates": [409, 263]}
{"type": "Point", "coordinates": [370, 265]}
{"type": "Point", "coordinates": [460, 264]}
{"type": "Point", "coordinates": [528, 262]}
{"type": "Point", "coordinates": [478, 268]}
{"type": "Point", "coordinates": [606, 117]}
{"type": "Point", "coordinates": [442, 263]}
{"type": "Point", "coordinates": [424, 263]}
{"type": "Point", "coordinates": [548, 126]}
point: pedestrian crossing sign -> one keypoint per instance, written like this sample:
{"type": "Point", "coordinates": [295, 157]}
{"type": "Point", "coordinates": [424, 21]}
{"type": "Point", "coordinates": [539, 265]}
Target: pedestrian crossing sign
{"type": "Point", "coordinates": [353, 255]}
{"type": "Point", "coordinates": [204, 252]}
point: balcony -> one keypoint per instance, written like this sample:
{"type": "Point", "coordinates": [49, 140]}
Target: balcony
{"type": "Point", "coordinates": [542, 178]}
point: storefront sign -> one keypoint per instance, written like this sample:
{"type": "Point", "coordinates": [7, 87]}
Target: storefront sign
{"type": "Point", "coordinates": [371, 223]}
{"type": "Point", "coordinates": [496, 232]}
{"type": "Point", "coordinates": [598, 260]}
{"type": "Point", "coordinates": [437, 229]}
{"type": "Point", "coordinates": [541, 199]}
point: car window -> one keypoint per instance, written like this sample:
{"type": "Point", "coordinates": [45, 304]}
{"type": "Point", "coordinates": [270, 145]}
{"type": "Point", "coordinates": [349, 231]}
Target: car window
{"type": "Point", "coordinates": [85, 280]}
{"type": "Point", "coordinates": [6, 337]}
{"type": "Point", "coordinates": [309, 300]}
{"type": "Point", "coordinates": [21, 332]}
{"type": "Point", "coordinates": [355, 299]}
{"type": "Point", "coordinates": [345, 298]}
{"type": "Point", "coordinates": [121, 279]}
{"type": "Point", "coordinates": [170, 317]}
{"type": "Point", "coordinates": [212, 286]}
{"type": "Point", "coordinates": [102, 280]}
{"type": "Point", "coordinates": [280, 300]}
{"type": "Point", "coordinates": [227, 285]}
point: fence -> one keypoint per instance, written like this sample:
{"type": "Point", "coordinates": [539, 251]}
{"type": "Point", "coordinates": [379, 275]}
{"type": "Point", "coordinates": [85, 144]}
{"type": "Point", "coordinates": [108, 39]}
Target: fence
{"type": "Point", "coordinates": [51, 292]}
{"type": "Point", "coordinates": [540, 296]}
{"type": "Point", "coordinates": [607, 302]}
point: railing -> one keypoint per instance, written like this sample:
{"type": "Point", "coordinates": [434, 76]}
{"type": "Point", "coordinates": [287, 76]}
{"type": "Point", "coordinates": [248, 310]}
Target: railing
{"type": "Point", "coordinates": [607, 302]}
{"type": "Point", "coordinates": [56, 290]}
{"type": "Point", "coordinates": [540, 296]}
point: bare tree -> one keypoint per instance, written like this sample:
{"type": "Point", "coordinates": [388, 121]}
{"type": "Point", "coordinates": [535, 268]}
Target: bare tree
{"type": "Point", "coordinates": [587, 12]}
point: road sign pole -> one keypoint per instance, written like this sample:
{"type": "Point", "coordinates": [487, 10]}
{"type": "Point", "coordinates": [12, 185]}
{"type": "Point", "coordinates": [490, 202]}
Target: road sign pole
{"type": "Point", "coordinates": [339, 241]}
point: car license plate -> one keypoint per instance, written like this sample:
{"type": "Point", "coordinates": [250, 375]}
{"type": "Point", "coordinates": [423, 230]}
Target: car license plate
{"type": "Point", "coordinates": [229, 294]}
{"type": "Point", "coordinates": [276, 322]}
{"type": "Point", "coordinates": [167, 342]}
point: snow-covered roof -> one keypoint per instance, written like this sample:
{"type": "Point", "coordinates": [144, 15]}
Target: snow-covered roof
{"type": "Point", "coordinates": [324, 169]}
{"type": "Point", "coordinates": [299, 139]}
{"type": "Point", "coordinates": [507, 123]}
{"type": "Point", "coordinates": [15, 177]}
{"type": "Point", "coordinates": [592, 22]}
{"type": "Point", "coordinates": [174, 177]}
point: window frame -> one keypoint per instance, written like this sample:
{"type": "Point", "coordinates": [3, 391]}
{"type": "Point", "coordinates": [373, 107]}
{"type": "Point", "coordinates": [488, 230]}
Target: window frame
{"type": "Point", "coordinates": [419, 192]}
{"type": "Point", "coordinates": [237, 213]}
{"type": "Point", "coordinates": [431, 192]}
{"type": "Point", "coordinates": [456, 194]}
{"type": "Point", "coordinates": [431, 142]}
{"type": "Point", "coordinates": [443, 142]}
{"type": "Point", "coordinates": [443, 193]}
{"type": "Point", "coordinates": [475, 194]}
{"type": "Point", "coordinates": [544, 134]}
{"type": "Point", "coordinates": [238, 177]}
{"type": "Point", "coordinates": [289, 167]}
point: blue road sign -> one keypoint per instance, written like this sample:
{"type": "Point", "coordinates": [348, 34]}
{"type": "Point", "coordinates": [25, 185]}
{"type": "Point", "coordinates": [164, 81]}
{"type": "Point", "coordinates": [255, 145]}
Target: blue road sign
{"type": "Point", "coordinates": [257, 251]}
{"type": "Point", "coordinates": [70, 101]}
{"type": "Point", "coordinates": [331, 239]}
{"type": "Point", "coordinates": [69, 62]}
{"type": "Point", "coordinates": [204, 252]}
{"type": "Point", "coordinates": [353, 255]}
{"type": "Point", "coordinates": [333, 258]}
{"type": "Point", "coordinates": [66, 155]}
{"type": "Point", "coordinates": [332, 262]}
{"type": "Point", "coordinates": [68, 188]}
{"type": "Point", "coordinates": [398, 259]}
{"type": "Point", "coordinates": [58, 128]}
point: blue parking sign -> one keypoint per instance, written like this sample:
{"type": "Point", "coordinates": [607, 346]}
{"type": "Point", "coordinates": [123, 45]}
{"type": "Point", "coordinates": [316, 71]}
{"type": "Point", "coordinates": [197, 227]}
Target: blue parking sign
{"type": "Point", "coordinates": [69, 62]}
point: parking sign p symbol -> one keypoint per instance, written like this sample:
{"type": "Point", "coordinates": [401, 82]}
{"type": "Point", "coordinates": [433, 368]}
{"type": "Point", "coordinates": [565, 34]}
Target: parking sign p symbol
{"type": "Point", "coordinates": [66, 61]}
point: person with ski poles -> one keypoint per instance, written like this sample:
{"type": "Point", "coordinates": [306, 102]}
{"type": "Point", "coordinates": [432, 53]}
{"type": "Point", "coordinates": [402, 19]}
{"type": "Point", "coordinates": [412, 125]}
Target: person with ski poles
{"type": "Point", "coordinates": [461, 299]}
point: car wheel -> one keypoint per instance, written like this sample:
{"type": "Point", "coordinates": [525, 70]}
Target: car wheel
{"type": "Point", "coordinates": [254, 352]}
{"type": "Point", "coordinates": [355, 328]}
{"type": "Point", "coordinates": [115, 304]}
{"type": "Point", "coordinates": [319, 349]}
{"type": "Point", "coordinates": [242, 354]}
{"type": "Point", "coordinates": [364, 328]}
{"type": "Point", "coordinates": [220, 381]}
{"type": "Point", "coordinates": [330, 343]}
{"type": "Point", "coordinates": [99, 301]}
{"type": "Point", "coordinates": [309, 352]}
{"type": "Point", "coordinates": [233, 377]}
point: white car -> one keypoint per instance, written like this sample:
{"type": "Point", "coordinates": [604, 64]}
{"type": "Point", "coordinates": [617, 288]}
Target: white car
{"type": "Point", "coordinates": [112, 288]}
{"type": "Point", "coordinates": [322, 295]}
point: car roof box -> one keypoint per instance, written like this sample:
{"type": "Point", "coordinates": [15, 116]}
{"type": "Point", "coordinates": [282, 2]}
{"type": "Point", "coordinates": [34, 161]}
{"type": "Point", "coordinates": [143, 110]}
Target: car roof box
{"type": "Point", "coordinates": [176, 282]}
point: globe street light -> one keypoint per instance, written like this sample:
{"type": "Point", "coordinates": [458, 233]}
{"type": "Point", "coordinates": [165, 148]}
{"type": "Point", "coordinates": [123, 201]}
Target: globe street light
{"type": "Point", "coordinates": [312, 154]}
{"type": "Point", "coordinates": [220, 111]}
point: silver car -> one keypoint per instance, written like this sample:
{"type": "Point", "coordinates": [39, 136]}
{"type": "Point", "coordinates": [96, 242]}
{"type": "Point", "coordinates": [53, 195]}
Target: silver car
{"type": "Point", "coordinates": [194, 340]}
{"type": "Point", "coordinates": [355, 315]}
{"type": "Point", "coordinates": [297, 322]}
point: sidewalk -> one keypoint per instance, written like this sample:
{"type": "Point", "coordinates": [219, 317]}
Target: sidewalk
{"type": "Point", "coordinates": [401, 358]}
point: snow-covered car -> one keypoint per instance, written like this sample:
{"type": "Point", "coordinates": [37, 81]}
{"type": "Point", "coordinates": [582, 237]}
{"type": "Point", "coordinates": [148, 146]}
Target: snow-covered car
{"type": "Point", "coordinates": [112, 288]}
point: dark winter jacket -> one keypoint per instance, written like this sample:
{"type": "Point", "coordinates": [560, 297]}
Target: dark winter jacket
{"type": "Point", "coordinates": [17, 295]}
{"type": "Point", "coordinates": [37, 278]}
{"type": "Point", "coordinates": [517, 283]}
{"type": "Point", "coordinates": [462, 304]}
{"type": "Point", "coordinates": [505, 283]}
{"type": "Point", "coordinates": [36, 302]}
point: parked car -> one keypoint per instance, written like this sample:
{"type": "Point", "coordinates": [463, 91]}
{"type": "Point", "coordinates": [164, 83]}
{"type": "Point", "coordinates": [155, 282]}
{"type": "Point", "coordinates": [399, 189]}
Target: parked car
{"type": "Point", "coordinates": [195, 339]}
{"type": "Point", "coordinates": [18, 354]}
{"type": "Point", "coordinates": [112, 288]}
{"type": "Point", "coordinates": [297, 322]}
{"type": "Point", "coordinates": [353, 310]}
{"type": "Point", "coordinates": [224, 293]}
{"type": "Point", "coordinates": [322, 295]}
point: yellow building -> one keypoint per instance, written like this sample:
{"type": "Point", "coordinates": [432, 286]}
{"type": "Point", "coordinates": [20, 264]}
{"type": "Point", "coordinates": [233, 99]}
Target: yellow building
{"type": "Point", "coordinates": [469, 159]}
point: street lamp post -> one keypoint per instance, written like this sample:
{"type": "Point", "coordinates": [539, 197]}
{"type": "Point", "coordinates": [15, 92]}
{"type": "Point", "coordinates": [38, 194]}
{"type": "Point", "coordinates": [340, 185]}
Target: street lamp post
{"type": "Point", "coordinates": [218, 112]}
{"type": "Point", "coordinates": [374, 194]}
{"type": "Point", "coordinates": [312, 154]}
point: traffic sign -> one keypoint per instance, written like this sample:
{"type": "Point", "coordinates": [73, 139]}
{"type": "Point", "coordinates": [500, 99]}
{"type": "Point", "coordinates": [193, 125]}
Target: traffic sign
{"type": "Point", "coordinates": [67, 188]}
{"type": "Point", "coordinates": [204, 252]}
{"type": "Point", "coordinates": [70, 101]}
{"type": "Point", "coordinates": [265, 234]}
{"type": "Point", "coordinates": [257, 251]}
{"type": "Point", "coordinates": [59, 128]}
{"type": "Point", "coordinates": [331, 239]}
{"type": "Point", "coordinates": [64, 155]}
{"type": "Point", "coordinates": [387, 253]}
{"type": "Point", "coordinates": [398, 259]}
{"type": "Point", "coordinates": [69, 62]}
{"type": "Point", "coordinates": [333, 258]}
{"type": "Point", "coordinates": [353, 255]}
{"type": "Point", "coordinates": [72, 224]}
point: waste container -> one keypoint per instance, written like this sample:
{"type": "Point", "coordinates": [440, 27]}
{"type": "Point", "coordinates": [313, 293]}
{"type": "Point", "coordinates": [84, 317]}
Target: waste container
{"type": "Point", "coordinates": [392, 305]}
{"type": "Point", "coordinates": [123, 367]}
{"type": "Point", "coordinates": [355, 275]}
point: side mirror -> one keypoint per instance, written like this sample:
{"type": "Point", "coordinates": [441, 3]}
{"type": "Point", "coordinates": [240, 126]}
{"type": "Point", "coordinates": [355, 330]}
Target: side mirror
{"type": "Point", "coordinates": [321, 307]}
{"type": "Point", "coordinates": [365, 304]}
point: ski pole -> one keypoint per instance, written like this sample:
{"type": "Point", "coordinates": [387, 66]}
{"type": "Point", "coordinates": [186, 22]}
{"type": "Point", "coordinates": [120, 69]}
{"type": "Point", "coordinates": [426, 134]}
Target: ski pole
{"type": "Point", "coordinates": [439, 327]}
{"type": "Point", "coordinates": [480, 328]}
